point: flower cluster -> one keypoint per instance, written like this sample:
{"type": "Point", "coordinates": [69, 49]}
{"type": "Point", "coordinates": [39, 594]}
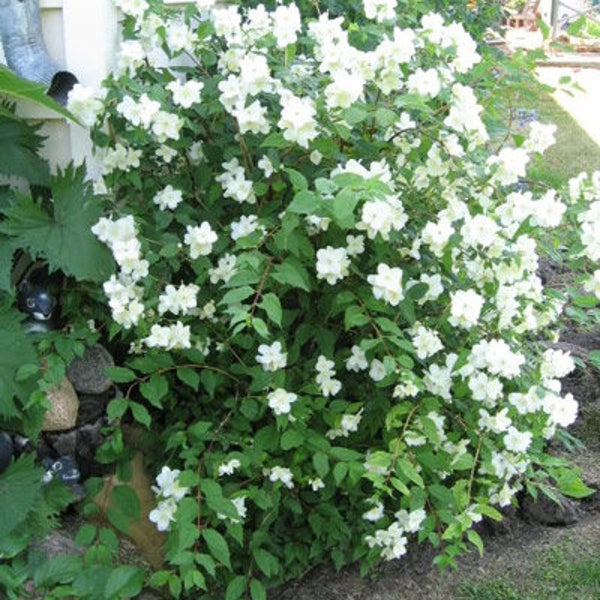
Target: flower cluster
{"type": "Point", "coordinates": [169, 493]}
{"type": "Point", "coordinates": [305, 201]}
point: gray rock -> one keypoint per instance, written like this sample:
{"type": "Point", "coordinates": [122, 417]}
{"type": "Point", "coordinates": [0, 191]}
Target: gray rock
{"type": "Point", "coordinates": [547, 512]}
{"type": "Point", "coordinates": [92, 407]}
{"type": "Point", "coordinates": [87, 372]}
{"type": "Point", "coordinates": [62, 443]}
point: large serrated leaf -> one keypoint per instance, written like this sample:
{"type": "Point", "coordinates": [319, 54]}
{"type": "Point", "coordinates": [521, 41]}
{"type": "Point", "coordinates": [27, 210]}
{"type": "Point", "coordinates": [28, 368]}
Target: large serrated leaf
{"type": "Point", "coordinates": [13, 336]}
{"type": "Point", "coordinates": [19, 144]}
{"type": "Point", "coordinates": [64, 237]}
{"type": "Point", "coordinates": [20, 488]}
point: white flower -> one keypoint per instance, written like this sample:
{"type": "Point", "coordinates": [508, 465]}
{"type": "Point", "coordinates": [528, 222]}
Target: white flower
{"type": "Point", "coordinates": [387, 284]}
{"type": "Point", "coordinates": [180, 37]}
{"type": "Point", "coordinates": [541, 136]}
{"type": "Point", "coordinates": [181, 300]}
{"type": "Point", "coordinates": [166, 126]}
{"type": "Point", "coordinates": [252, 118]}
{"type": "Point", "coordinates": [316, 484]}
{"type": "Point", "coordinates": [139, 113]}
{"type": "Point", "coordinates": [168, 198]}
{"type": "Point", "coordinates": [562, 411]}
{"type": "Point", "coordinates": [286, 23]}
{"type": "Point", "coordinates": [411, 521]}
{"type": "Point", "coordinates": [136, 8]}
{"type": "Point", "coordinates": [479, 230]}
{"type": "Point", "coordinates": [282, 474]}
{"type": "Point", "coordinates": [271, 357]}
{"type": "Point", "coordinates": [556, 364]}
{"type": "Point", "coordinates": [374, 514]}
{"type": "Point", "coordinates": [131, 56]}
{"type": "Point", "coordinates": [426, 342]}
{"type": "Point", "coordinates": [245, 226]}
{"type": "Point", "coordinates": [229, 467]}
{"type": "Point", "coordinates": [224, 270]}
{"type": "Point", "coordinates": [517, 441]}
{"type": "Point", "coordinates": [345, 89]}
{"type": "Point", "coordinates": [200, 239]}
{"type": "Point", "coordinates": [168, 484]}
{"type": "Point", "coordinates": [424, 83]}
{"type": "Point", "coordinates": [355, 245]}
{"type": "Point", "coordinates": [85, 104]}
{"type": "Point", "coordinates": [163, 514]}
{"type": "Point", "coordinates": [266, 165]}
{"type": "Point", "coordinates": [465, 307]}
{"type": "Point", "coordinates": [377, 371]}
{"type": "Point", "coordinates": [170, 337]}
{"type": "Point", "coordinates": [357, 361]}
{"type": "Point", "coordinates": [185, 94]}
{"type": "Point", "coordinates": [281, 401]}
{"type": "Point", "coordinates": [332, 264]}
{"type": "Point", "coordinates": [381, 217]}
{"type": "Point", "coordinates": [297, 119]}
{"type": "Point", "coordinates": [381, 10]}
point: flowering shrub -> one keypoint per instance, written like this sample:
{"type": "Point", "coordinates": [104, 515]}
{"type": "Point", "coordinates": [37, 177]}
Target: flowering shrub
{"type": "Point", "coordinates": [327, 285]}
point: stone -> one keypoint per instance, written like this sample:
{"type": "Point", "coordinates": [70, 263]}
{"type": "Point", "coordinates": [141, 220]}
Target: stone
{"type": "Point", "coordinates": [86, 373]}
{"type": "Point", "coordinates": [548, 512]}
{"type": "Point", "coordinates": [64, 407]}
{"type": "Point", "coordinates": [62, 442]}
{"type": "Point", "coordinates": [92, 407]}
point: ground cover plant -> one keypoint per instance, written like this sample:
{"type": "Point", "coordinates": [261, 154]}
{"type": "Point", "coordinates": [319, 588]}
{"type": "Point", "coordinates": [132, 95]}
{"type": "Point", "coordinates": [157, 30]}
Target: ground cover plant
{"type": "Point", "coordinates": [325, 305]}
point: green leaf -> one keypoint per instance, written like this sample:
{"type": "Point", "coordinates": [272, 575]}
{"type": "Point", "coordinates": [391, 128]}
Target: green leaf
{"type": "Point", "coordinates": [116, 408]}
{"type": "Point", "coordinates": [124, 582]}
{"type": "Point", "coordinates": [189, 376]}
{"type": "Point", "coordinates": [217, 545]}
{"type": "Point", "coordinates": [20, 488]}
{"type": "Point", "coordinates": [292, 439]}
{"type": "Point", "coordinates": [476, 540]}
{"type": "Point", "coordinates": [140, 414]}
{"type": "Point", "coordinates": [586, 301]}
{"type": "Point", "coordinates": [321, 463]}
{"type": "Point", "coordinates": [266, 562]}
{"type": "Point", "coordinates": [292, 273]}
{"type": "Point", "coordinates": [408, 469]}
{"type": "Point", "coordinates": [354, 316]}
{"type": "Point", "coordinates": [339, 472]}
{"type": "Point", "coordinates": [257, 590]}
{"type": "Point", "coordinates": [19, 144]}
{"type": "Point", "coordinates": [298, 180]}
{"type": "Point", "coordinates": [275, 140]}
{"type": "Point", "coordinates": [57, 570]}
{"type": "Point", "coordinates": [13, 336]}
{"type": "Point", "coordinates": [118, 519]}
{"type": "Point", "coordinates": [343, 208]}
{"type": "Point", "coordinates": [16, 88]}
{"type": "Point", "coordinates": [307, 203]}
{"type": "Point", "coordinates": [272, 306]}
{"type": "Point", "coordinates": [127, 500]}
{"type": "Point", "coordinates": [235, 588]}
{"type": "Point", "coordinates": [155, 389]}
{"type": "Point", "coordinates": [64, 237]}
{"type": "Point", "coordinates": [213, 494]}
{"type": "Point", "coordinates": [236, 295]}
{"type": "Point", "coordinates": [120, 374]}
{"type": "Point", "coordinates": [86, 535]}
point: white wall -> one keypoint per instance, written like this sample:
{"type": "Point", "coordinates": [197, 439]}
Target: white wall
{"type": "Point", "coordinates": [81, 37]}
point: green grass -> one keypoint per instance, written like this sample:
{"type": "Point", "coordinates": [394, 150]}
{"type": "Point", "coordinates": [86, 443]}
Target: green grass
{"type": "Point", "coordinates": [558, 573]}
{"type": "Point", "coordinates": [573, 152]}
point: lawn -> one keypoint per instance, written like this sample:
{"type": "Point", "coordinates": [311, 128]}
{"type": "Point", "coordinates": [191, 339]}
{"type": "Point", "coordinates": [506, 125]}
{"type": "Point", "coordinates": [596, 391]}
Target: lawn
{"type": "Point", "coordinates": [574, 150]}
